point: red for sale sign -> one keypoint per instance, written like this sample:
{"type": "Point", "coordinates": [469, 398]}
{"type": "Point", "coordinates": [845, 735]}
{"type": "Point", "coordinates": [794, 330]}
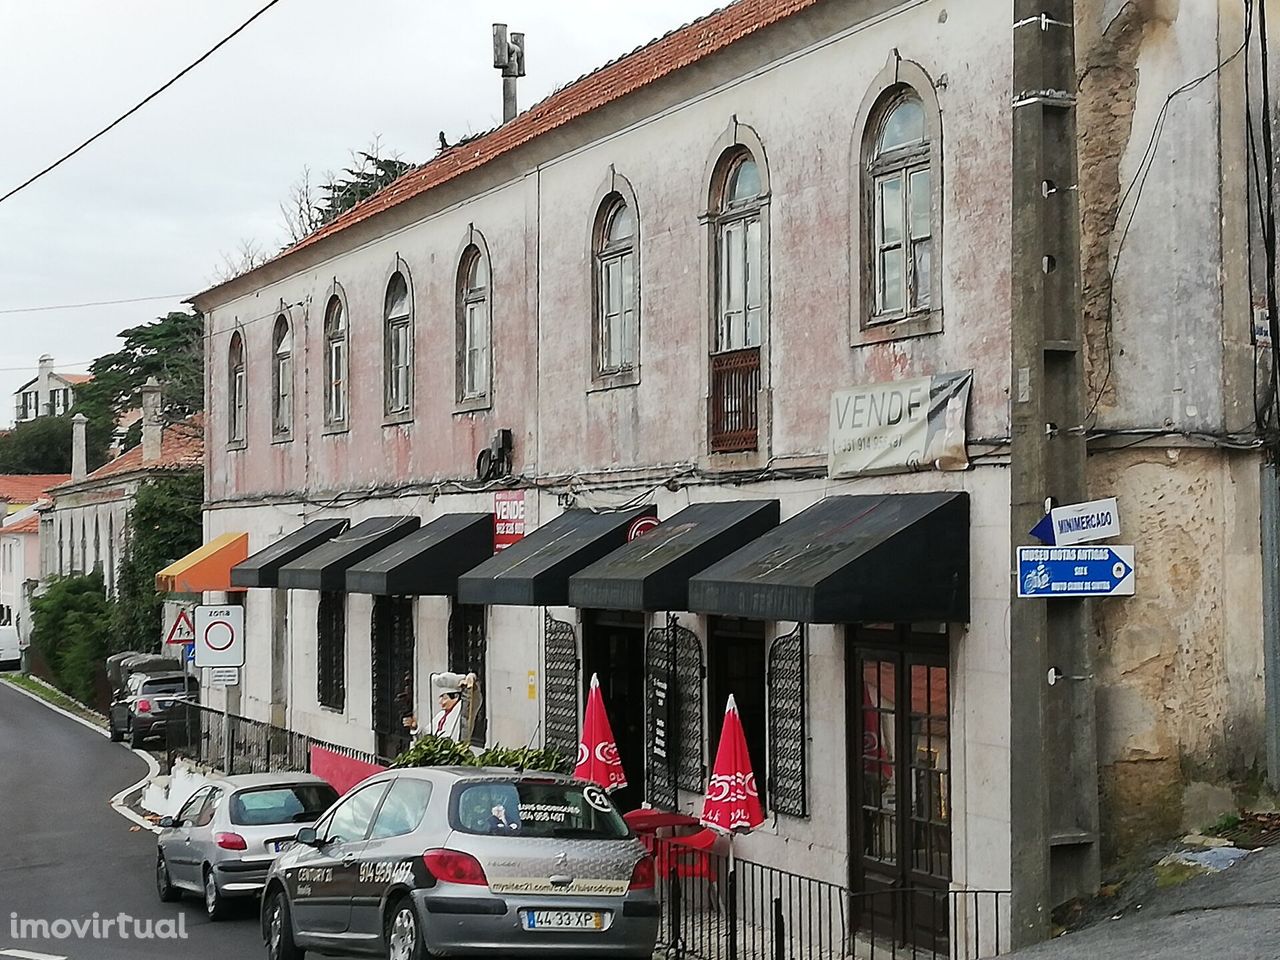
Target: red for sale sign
{"type": "Point", "coordinates": [508, 518]}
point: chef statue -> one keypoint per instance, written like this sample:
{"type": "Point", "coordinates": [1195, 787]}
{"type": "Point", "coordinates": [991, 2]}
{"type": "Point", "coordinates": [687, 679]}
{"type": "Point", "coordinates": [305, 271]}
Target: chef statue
{"type": "Point", "coordinates": [459, 701]}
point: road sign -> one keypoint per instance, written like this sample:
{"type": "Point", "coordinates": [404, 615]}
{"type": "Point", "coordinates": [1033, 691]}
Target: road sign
{"type": "Point", "coordinates": [225, 676]}
{"type": "Point", "coordinates": [189, 652]}
{"type": "Point", "coordinates": [183, 629]}
{"type": "Point", "coordinates": [1079, 523]}
{"type": "Point", "coordinates": [1106, 571]}
{"type": "Point", "coordinates": [219, 636]}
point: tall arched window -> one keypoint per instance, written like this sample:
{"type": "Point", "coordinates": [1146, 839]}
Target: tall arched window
{"type": "Point", "coordinates": [900, 238]}
{"type": "Point", "coordinates": [617, 331]}
{"type": "Point", "coordinates": [335, 362]}
{"type": "Point", "coordinates": [236, 398]}
{"type": "Point", "coordinates": [281, 378]}
{"type": "Point", "coordinates": [473, 325]}
{"type": "Point", "coordinates": [738, 199]}
{"type": "Point", "coordinates": [398, 347]}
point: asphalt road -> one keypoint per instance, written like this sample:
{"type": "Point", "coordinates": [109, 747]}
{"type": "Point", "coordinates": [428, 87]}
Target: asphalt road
{"type": "Point", "coordinates": [65, 854]}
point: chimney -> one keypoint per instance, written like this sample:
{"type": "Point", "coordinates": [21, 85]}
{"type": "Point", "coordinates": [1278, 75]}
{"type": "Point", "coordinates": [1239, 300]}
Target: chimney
{"type": "Point", "coordinates": [79, 463]}
{"type": "Point", "coordinates": [152, 431]}
{"type": "Point", "coordinates": [44, 399]}
{"type": "Point", "coordinates": [508, 56]}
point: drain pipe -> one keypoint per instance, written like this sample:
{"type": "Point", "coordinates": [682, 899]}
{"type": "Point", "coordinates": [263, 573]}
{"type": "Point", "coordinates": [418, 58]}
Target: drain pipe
{"type": "Point", "coordinates": [1271, 615]}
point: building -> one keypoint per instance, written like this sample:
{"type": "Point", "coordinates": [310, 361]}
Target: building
{"type": "Point", "coordinates": [19, 570]}
{"type": "Point", "coordinates": [86, 527]}
{"type": "Point", "coordinates": [18, 491]}
{"type": "Point", "coordinates": [49, 394]}
{"type": "Point", "coordinates": [713, 283]}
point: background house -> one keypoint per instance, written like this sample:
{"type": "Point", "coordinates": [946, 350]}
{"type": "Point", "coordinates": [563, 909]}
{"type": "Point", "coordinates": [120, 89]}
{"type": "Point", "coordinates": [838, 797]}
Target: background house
{"type": "Point", "coordinates": [51, 393]}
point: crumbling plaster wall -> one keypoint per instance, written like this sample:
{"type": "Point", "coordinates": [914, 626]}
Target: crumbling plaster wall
{"type": "Point", "coordinates": [1179, 666]}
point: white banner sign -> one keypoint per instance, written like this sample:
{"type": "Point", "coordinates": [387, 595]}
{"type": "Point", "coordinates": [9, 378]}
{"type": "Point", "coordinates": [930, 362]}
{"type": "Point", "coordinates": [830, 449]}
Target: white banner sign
{"type": "Point", "coordinates": [900, 427]}
{"type": "Point", "coordinates": [219, 636]}
{"type": "Point", "coordinates": [1085, 522]}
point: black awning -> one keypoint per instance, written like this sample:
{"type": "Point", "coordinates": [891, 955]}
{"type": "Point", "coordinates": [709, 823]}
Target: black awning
{"type": "Point", "coordinates": [262, 569]}
{"type": "Point", "coordinates": [653, 571]}
{"type": "Point", "coordinates": [535, 571]}
{"type": "Point", "coordinates": [325, 567]}
{"type": "Point", "coordinates": [900, 558]}
{"type": "Point", "coordinates": [429, 561]}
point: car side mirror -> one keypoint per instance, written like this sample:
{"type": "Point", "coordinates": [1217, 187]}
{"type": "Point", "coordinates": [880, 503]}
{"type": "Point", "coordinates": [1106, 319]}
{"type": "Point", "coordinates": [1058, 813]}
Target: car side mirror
{"type": "Point", "coordinates": [167, 823]}
{"type": "Point", "coordinates": [307, 837]}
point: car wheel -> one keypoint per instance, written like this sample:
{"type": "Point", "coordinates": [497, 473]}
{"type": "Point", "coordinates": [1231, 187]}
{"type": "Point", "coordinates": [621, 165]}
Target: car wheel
{"type": "Point", "coordinates": [215, 904]}
{"type": "Point", "coordinates": [279, 930]}
{"type": "Point", "coordinates": [164, 886]}
{"type": "Point", "coordinates": [135, 738]}
{"type": "Point", "coordinates": [403, 934]}
{"type": "Point", "coordinates": [116, 735]}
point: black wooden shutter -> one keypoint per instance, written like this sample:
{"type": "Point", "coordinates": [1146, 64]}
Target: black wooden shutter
{"type": "Point", "coordinates": [788, 780]}
{"type": "Point", "coordinates": [560, 688]}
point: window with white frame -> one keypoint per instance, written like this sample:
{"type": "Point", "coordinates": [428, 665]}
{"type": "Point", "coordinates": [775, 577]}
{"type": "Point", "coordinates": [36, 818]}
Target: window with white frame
{"type": "Point", "coordinates": [616, 332]}
{"type": "Point", "coordinates": [335, 363]}
{"type": "Point", "coordinates": [281, 378]}
{"type": "Point", "coordinates": [473, 325]}
{"type": "Point", "coordinates": [739, 267]}
{"type": "Point", "coordinates": [901, 205]}
{"type": "Point", "coordinates": [398, 347]}
{"type": "Point", "coordinates": [236, 397]}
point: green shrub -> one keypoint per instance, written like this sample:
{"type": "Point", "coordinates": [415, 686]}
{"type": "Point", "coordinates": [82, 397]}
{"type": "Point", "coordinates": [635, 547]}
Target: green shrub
{"type": "Point", "coordinates": [68, 628]}
{"type": "Point", "coordinates": [433, 751]}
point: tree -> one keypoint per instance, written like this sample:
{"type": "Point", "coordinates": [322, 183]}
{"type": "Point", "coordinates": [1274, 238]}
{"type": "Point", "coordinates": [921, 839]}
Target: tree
{"type": "Point", "coordinates": [43, 445]}
{"type": "Point", "coordinates": [164, 525]}
{"type": "Point", "coordinates": [171, 349]}
{"type": "Point", "coordinates": [67, 630]}
{"type": "Point", "coordinates": [309, 206]}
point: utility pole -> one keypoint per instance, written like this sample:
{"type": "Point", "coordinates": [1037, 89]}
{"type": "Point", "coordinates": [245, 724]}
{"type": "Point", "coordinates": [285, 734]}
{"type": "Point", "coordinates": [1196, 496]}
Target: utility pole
{"type": "Point", "coordinates": [1053, 746]}
{"type": "Point", "coordinates": [508, 56]}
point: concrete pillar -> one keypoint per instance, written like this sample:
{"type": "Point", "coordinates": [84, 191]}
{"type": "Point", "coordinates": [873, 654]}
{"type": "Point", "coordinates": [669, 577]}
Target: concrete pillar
{"type": "Point", "coordinates": [152, 429]}
{"type": "Point", "coordinates": [79, 461]}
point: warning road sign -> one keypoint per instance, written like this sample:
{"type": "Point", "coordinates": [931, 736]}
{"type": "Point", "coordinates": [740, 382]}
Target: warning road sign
{"type": "Point", "coordinates": [183, 629]}
{"type": "Point", "coordinates": [219, 636]}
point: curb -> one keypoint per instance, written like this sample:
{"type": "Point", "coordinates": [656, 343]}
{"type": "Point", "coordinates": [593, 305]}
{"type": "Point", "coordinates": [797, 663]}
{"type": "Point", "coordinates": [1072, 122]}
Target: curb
{"type": "Point", "coordinates": [117, 802]}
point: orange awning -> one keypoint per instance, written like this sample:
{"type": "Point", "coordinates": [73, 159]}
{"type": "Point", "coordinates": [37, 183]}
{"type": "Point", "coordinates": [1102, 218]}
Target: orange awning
{"type": "Point", "coordinates": [208, 568]}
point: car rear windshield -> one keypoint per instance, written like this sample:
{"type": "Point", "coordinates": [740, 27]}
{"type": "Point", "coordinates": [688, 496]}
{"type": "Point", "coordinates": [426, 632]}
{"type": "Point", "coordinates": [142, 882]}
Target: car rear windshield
{"type": "Point", "coordinates": [532, 808]}
{"type": "Point", "coordinates": [174, 685]}
{"type": "Point", "coordinates": [295, 803]}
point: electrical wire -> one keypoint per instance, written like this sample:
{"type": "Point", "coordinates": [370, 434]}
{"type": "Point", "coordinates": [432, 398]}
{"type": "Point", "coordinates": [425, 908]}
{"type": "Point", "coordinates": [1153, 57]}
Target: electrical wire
{"type": "Point", "coordinates": [89, 303]}
{"type": "Point", "coordinates": [141, 103]}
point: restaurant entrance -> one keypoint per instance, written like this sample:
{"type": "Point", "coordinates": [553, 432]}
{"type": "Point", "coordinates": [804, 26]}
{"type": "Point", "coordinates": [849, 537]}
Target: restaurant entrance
{"type": "Point", "coordinates": [613, 649]}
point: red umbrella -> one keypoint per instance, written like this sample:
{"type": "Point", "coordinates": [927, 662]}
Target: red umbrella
{"type": "Point", "coordinates": [598, 759]}
{"type": "Point", "coordinates": [732, 803]}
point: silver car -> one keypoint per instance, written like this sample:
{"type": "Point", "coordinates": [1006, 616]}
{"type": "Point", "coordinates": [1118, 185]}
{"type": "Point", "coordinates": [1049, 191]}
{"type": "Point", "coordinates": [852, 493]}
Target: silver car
{"type": "Point", "coordinates": [226, 836]}
{"type": "Point", "coordinates": [462, 861]}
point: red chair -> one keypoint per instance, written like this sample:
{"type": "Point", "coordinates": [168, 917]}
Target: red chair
{"type": "Point", "coordinates": [685, 856]}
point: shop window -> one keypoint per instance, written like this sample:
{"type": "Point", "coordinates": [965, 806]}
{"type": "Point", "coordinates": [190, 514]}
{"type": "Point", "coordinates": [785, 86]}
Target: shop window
{"type": "Point", "coordinates": [392, 672]}
{"type": "Point", "coordinates": [331, 651]}
{"type": "Point", "coordinates": [468, 653]}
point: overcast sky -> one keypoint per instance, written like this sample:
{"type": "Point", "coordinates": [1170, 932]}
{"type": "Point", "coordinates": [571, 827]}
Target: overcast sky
{"type": "Point", "coordinates": [150, 209]}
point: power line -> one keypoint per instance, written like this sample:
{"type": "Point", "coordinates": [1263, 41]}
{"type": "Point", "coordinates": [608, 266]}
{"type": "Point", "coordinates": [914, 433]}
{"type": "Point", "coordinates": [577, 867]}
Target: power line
{"type": "Point", "coordinates": [91, 303]}
{"type": "Point", "coordinates": [141, 103]}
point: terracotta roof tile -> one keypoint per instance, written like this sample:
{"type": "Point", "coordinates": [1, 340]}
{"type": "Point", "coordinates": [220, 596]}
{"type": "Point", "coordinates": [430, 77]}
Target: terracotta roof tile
{"type": "Point", "coordinates": [29, 525]}
{"type": "Point", "coordinates": [75, 378]}
{"type": "Point", "coordinates": [28, 488]}
{"type": "Point", "coordinates": [645, 65]}
{"type": "Point", "coordinates": [182, 447]}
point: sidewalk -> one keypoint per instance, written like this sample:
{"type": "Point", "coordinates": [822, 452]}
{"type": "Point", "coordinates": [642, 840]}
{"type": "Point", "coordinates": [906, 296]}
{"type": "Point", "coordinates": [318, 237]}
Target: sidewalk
{"type": "Point", "coordinates": [1233, 915]}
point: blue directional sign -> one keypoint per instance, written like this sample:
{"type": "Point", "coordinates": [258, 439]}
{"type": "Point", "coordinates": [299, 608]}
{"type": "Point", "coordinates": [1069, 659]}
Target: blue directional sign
{"type": "Point", "coordinates": [1084, 571]}
{"type": "Point", "coordinates": [189, 652]}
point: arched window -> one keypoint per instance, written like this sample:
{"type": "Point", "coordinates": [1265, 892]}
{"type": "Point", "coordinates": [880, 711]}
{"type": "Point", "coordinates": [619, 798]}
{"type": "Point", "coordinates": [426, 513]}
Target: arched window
{"type": "Point", "coordinates": [398, 347]}
{"type": "Point", "coordinates": [473, 325]}
{"type": "Point", "coordinates": [236, 398]}
{"type": "Point", "coordinates": [617, 331]}
{"type": "Point", "coordinates": [900, 235]}
{"type": "Point", "coordinates": [282, 378]}
{"type": "Point", "coordinates": [335, 362]}
{"type": "Point", "coordinates": [739, 267]}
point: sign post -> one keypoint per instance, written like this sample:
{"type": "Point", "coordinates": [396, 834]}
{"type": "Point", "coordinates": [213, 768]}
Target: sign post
{"type": "Point", "coordinates": [220, 645]}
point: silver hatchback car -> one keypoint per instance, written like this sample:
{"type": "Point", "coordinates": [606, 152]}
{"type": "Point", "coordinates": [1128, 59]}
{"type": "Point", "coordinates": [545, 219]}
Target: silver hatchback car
{"type": "Point", "coordinates": [226, 836]}
{"type": "Point", "coordinates": [462, 861]}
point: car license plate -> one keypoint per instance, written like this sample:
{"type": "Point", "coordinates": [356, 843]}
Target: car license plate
{"type": "Point", "coordinates": [282, 846]}
{"type": "Point", "coordinates": [563, 920]}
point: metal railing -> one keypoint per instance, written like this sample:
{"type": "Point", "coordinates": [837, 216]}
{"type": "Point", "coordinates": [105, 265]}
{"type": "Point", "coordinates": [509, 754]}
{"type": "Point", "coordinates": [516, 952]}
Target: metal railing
{"type": "Point", "coordinates": [235, 744]}
{"type": "Point", "coordinates": [756, 912]}
{"type": "Point", "coordinates": [734, 400]}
